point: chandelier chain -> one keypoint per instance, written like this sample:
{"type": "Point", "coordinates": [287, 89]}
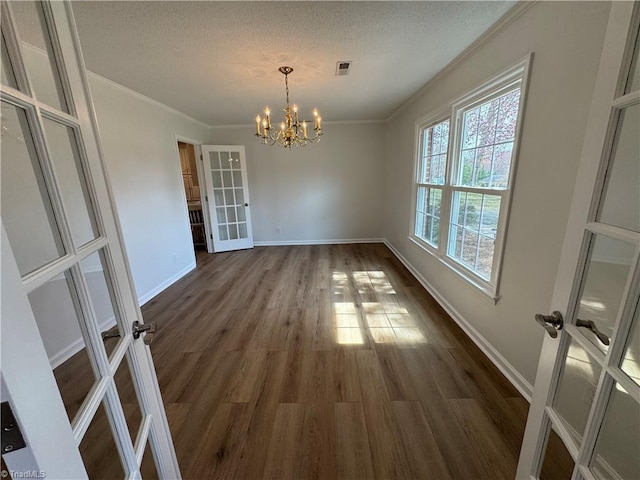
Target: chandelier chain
{"type": "Point", "coordinates": [286, 84]}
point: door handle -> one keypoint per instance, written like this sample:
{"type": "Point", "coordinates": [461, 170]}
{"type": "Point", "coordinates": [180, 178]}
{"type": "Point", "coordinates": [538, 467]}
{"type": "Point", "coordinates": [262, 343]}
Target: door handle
{"type": "Point", "coordinates": [246, 204]}
{"type": "Point", "coordinates": [140, 328]}
{"type": "Point", "coordinates": [591, 325]}
{"type": "Point", "coordinates": [551, 323]}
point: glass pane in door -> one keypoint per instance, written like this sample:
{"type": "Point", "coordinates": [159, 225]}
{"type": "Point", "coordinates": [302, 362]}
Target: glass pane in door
{"type": "Point", "coordinates": [617, 452]}
{"type": "Point", "coordinates": [217, 178]}
{"type": "Point", "coordinates": [237, 179]}
{"type": "Point", "coordinates": [631, 359]}
{"type": "Point", "coordinates": [128, 398]}
{"type": "Point", "coordinates": [633, 81]}
{"type": "Point", "coordinates": [148, 467]}
{"type": "Point", "coordinates": [576, 389]}
{"type": "Point", "coordinates": [226, 179]}
{"type": "Point", "coordinates": [604, 283]}
{"type": "Point", "coordinates": [235, 161]}
{"type": "Point", "coordinates": [240, 196]}
{"type": "Point", "coordinates": [8, 77]}
{"type": "Point", "coordinates": [95, 271]}
{"type": "Point", "coordinates": [27, 214]}
{"type": "Point", "coordinates": [225, 161]}
{"type": "Point", "coordinates": [223, 232]}
{"type": "Point", "coordinates": [57, 312]}
{"type": "Point", "coordinates": [557, 463]}
{"type": "Point", "coordinates": [38, 54]}
{"type": "Point", "coordinates": [63, 150]}
{"type": "Point", "coordinates": [621, 201]}
{"type": "Point", "coordinates": [99, 451]}
{"type": "Point", "coordinates": [221, 215]}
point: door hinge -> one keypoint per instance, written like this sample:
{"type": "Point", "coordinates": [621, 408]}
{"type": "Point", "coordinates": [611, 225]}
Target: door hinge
{"type": "Point", "coordinates": [12, 439]}
{"type": "Point", "coordinates": [211, 236]}
{"type": "Point", "coordinates": [206, 198]}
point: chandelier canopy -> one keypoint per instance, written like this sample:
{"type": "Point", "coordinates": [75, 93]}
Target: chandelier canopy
{"type": "Point", "coordinates": [292, 132]}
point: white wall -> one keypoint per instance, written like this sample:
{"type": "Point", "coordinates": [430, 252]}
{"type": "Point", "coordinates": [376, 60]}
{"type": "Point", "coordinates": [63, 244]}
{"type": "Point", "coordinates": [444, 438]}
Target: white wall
{"type": "Point", "coordinates": [141, 153]}
{"type": "Point", "coordinates": [332, 190]}
{"type": "Point", "coordinates": [566, 38]}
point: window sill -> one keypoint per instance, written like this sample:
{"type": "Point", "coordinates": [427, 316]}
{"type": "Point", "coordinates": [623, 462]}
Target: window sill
{"type": "Point", "coordinates": [487, 291]}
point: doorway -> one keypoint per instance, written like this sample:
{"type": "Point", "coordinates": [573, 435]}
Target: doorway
{"type": "Point", "coordinates": [194, 194]}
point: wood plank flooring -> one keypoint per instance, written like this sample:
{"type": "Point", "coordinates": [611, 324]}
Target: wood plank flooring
{"type": "Point", "coordinates": [324, 362]}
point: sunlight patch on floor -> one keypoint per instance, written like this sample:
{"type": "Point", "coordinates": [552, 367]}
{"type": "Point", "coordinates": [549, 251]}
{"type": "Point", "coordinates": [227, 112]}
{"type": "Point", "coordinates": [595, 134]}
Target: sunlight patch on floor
{"type": "Point", "coordinates": [349, 336]}
{"type": "Point", "coordinates": [372, 282]}
{"type": "Point", "coordinates": [386, 321]}
{"type": "Point", "coordinates": [383, 328]}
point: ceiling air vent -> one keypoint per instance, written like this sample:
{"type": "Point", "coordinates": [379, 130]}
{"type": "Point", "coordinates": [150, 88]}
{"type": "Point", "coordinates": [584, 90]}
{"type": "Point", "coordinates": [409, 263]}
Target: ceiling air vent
{"type": "Point", "coordinates": [342, 68]}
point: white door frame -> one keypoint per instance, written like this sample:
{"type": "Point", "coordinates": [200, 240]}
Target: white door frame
{"type": "Point", "coordinates": [589, 181]}
{"type": "Point", "coordinates": [201, 178]}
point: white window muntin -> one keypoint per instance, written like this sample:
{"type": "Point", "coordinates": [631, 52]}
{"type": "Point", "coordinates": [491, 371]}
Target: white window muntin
{"type": "Point", "coordinates": [514, 77]}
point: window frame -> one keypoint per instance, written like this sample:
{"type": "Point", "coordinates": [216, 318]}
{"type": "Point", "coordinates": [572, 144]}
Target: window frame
{"type": "Point", "coordinates": [421, 128]}
{"type": "Point", "coordinates": [501, 84]}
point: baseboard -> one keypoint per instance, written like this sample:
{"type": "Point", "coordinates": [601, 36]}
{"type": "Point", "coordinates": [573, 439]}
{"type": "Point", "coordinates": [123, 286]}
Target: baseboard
{"type": "Point", "coordinates": [142, 299]}
{"type": "Point", "coordinates": [274, 243]}
{"type": "Point", "coordinates": [516, 379]}
{"type": "Point", "coordinates": [70, 350]}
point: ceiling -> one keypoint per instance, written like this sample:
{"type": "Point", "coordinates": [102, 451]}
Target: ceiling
{"type": "Point", "coordinates": [218, 61]}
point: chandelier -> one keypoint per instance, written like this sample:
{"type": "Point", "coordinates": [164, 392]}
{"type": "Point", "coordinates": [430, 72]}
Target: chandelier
{"type": "Point", "coordinates": [292, 131]}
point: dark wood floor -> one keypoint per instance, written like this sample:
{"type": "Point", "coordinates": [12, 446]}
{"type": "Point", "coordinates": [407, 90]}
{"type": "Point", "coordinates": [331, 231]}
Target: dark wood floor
{"type": "Point", "coordinates": [322, 362]}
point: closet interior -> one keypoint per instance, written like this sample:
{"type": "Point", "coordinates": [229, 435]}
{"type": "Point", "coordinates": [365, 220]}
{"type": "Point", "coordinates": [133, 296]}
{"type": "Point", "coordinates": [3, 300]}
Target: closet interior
{"type": "Point", "coordinates": [192, 191]}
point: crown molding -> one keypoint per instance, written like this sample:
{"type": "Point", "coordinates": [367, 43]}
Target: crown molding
{"type": "Point", "coordinates": [324, 122]}
{"type": "Point", "coordinates": [119, 87]}
{"type": "Point", "coordinates": [519, 9]}
{"type": "Point", "coordinates": [143, 98]}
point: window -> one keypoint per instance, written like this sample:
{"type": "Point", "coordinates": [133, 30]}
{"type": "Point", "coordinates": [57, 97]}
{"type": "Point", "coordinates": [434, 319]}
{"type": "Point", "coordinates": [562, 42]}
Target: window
{"type": "Point", "coordinates": [464, 176]}
{"type": "Point", "coordinates": [431, 175]}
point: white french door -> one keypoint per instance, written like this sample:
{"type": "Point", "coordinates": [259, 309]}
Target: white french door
{"type": "Point", "coordinates": [588, 382]}
{"type": "Point", "coordinates": [225, 171]}
{"type": "Point", "coordinates": [87, 405]}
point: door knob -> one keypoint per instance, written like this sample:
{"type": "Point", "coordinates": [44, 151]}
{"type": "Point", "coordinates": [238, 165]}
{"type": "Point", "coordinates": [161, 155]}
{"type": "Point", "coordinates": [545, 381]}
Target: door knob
{"type": "Point", "coordinates": [551, 323]}
{"type": "Point", "coordinates": [246, 204]}
{"type": "Point", "coordinates": [590, 325]}
{"type": "Point", "coordinates": [140, 328]}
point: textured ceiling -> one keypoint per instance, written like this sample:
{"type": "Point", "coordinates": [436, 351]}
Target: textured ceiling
{"type": "Point", "coordinates": [218, 61]}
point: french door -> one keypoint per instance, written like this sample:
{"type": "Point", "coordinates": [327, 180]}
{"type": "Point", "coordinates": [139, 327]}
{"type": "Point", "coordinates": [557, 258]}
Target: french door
{"type": "Point", "coordinates": [225, 171]}
{"type": "Point", "coordinates": [588, 382]}
{"type": "Point", "coordinates": [76, 369]}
